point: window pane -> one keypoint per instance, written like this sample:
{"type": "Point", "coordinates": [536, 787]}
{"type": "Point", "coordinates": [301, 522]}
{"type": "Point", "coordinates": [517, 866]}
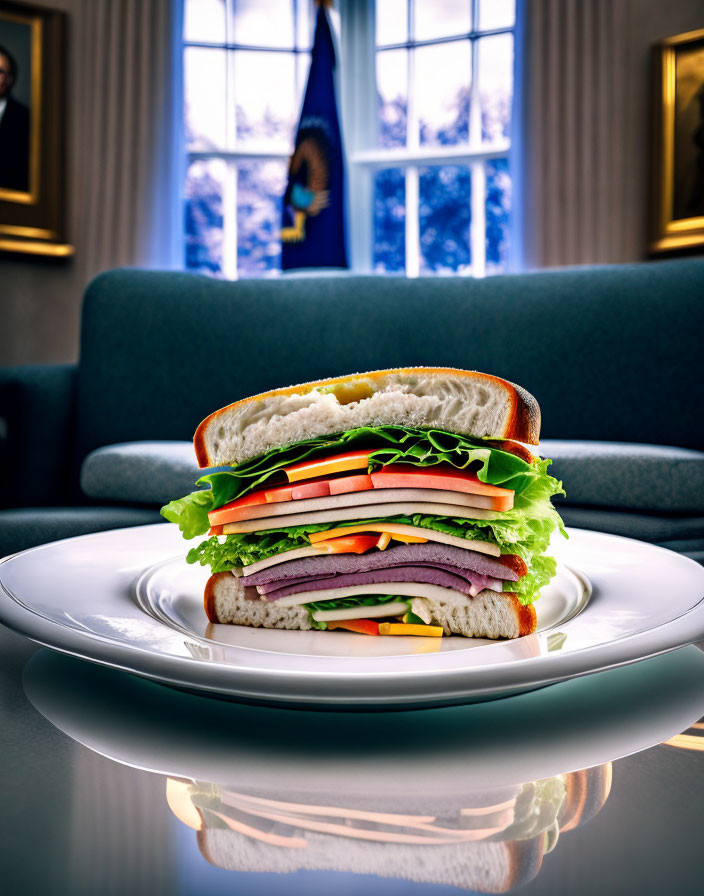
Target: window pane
{"type": "Point", "coordinates": [204, 20]}
{"type": "Point", "coordinates": [260, 188]}
{"type": "Point", "coordinates": [205, 98]}
{"type": "Point", "coordinates": [392, 87]}
{"type": "Point", "coordinates": [391, 22]}
{"type": "Point", "coordinates": [496, 14]}
{"type": "Point", "coordinates": [390, 221]}
{"type": "Point", "coordinates": [264, 23]}
{"type": "Point", "coordinates": [444, 219]}
{"type": "Point", "coordinates": [442, 76]}
{"type": "Point", "coordinates": [495, 77]}
{"type": "Point", "coordinates": [304, 24]}
{"type": "Point", "coordinates": [303, 62]}
{"type": "Point", "coordinates": [203, 216]}
{"type": "Point", "coordinates": [441, 18]}
{"type": "Point", "coordinates": [498, 210]}
{"type": "Point", "coordinates": [265, 96]}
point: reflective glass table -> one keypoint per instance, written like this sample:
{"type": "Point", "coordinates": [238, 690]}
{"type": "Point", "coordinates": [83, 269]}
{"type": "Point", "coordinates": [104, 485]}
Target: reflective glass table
{"type": "Point", "coordinates": [117, 785]}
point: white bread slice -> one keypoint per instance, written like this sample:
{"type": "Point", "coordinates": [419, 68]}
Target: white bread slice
{"type": "Point", "coordinates": [486, 866]}
{"type": "Point", "coordinates": [490, 614]}
{"type": "Point", "coordinates": [461, 401]}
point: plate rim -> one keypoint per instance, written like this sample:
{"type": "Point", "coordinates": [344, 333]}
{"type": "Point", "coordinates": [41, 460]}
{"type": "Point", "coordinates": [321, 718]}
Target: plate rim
{"type": "Point", "coordinates": [441, 686]}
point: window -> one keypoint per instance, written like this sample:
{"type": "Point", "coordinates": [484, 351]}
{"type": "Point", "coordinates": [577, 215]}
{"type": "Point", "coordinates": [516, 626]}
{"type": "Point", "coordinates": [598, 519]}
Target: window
{"type": "Point", "coordinates": [425, 105]}
{"type": "Point", "coordinates": [245, 68]}
{"type": "Point", "coordinates": [441, 186]}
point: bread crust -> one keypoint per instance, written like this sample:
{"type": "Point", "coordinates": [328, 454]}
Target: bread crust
{"type": "Point", "coordinates": [523, 418]}
{"type": "Point", "coordinates": [587, 792]}
{"type": "Point", "coordinates": [513, 448]}
{"type": "Point", "coordinates": [514, 562]}
{"type": "Point", "coordinates": [209, 596]}
{"type": "Point", "coordinates": [526, 615]}
{"type": "Point", "coordinates": [526, 858]}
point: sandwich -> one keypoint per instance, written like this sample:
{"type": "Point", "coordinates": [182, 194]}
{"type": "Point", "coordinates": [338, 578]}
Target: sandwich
{"type": "Point", "coordinates": [492, 840]}
{"type": "Point", "coordinates": [396, 502]}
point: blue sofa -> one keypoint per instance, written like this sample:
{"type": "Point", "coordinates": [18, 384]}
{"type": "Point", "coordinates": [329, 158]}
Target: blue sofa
{"type": "Point", "coordinates": [613, 355]}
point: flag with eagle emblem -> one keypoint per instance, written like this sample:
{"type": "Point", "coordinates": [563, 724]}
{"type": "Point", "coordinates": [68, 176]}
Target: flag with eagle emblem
{"type": "Point", "coordinates": [313, 226]}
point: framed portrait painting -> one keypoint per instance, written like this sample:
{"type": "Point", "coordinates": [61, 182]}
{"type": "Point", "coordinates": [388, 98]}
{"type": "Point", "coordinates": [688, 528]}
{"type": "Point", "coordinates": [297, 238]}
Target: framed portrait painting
{"type": "Point", "coordinates": [32, 130]}
{"type": "Point", "coordinates": [678, 152]}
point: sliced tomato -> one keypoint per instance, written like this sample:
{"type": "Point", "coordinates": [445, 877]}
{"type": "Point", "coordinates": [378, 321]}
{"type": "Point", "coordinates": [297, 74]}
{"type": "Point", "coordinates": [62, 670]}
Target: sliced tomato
{"type": "Point", "coordinates": [360, 482]}
{"type": "Point", "coordinates": [271, 496]}
{"type": "Point", "coordinates": [327, 466]}
{"type": "Point", "coordinates": [263, 496]}
{"type": "Point", "coordinates": [361, 626]}
{"type": "Point", "coordinates": [352, 544]}
{"type": "Point", "coordinates": [446, 478]}
{"type": "Point", "coordinates": [316, 488]}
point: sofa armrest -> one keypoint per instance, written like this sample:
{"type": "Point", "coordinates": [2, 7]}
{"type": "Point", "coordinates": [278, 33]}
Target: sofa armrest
{"type": "Point", "coordinates": [37, 411]}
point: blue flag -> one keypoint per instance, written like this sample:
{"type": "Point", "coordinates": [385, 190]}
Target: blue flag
{"type": "Point", "coordinates": [313, 226]}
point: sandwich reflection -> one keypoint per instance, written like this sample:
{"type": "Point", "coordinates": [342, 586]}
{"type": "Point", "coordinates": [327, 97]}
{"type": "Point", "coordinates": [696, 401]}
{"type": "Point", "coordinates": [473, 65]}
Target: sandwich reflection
{"type": "Point", "coordinates": [468, 796]}
{"type": "Point", "coordinates": [490, 841]}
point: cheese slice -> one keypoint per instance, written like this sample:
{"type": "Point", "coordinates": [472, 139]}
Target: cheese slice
{"type": "Point", "coordinates": [398, 529]}
{"type": "Point", "coordinates": [355, 513]}
{"type": "Point", "coordinates": [390, 609]}
{"type": "Point", "coordinates": [327, 466]}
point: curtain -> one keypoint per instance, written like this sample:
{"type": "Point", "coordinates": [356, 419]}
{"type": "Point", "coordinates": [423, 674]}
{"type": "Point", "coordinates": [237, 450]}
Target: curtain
{"type": "Point", "coordinates": [578, 195]}
{"type": "Point", "coordinates": [127, 157]}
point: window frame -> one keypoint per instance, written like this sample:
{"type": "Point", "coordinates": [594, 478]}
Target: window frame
{"type": "Point", "coordinates": [365, 157]}
{"type": "Point", "coordinates": [249, 152]}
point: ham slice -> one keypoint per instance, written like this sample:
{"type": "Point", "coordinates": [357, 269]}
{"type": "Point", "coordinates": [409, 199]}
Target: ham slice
{"type": "Point", "coordinates": [420, 572]}
{"type": "Point", "coordinates": [441, 555]}
{"type": "Point", "coordinates": [412, 574]}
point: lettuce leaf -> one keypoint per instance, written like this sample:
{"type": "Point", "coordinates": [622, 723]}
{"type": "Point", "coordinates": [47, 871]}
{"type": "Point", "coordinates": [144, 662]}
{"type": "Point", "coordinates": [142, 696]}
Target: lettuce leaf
{"type": "Point", "coordinates": [368, 600]}
{"type": "Point", "coordinates": [248, 548]}
{"type": "Point", "coordinates": [540, 572]}
{"type": "Point", "coordinates": [388, 444]}
{"type": "Point", "coordinates": [190, 513]}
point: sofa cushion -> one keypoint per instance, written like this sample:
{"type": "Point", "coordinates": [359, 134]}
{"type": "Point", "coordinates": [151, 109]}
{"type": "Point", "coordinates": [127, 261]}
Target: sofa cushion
{"type": "Point", "coordinates": [643, 526]}
{"type": "Point", "coordinates": [25, 528]}
{"type": "Point", "coordinates": [627, 476]}
{"type": "Point", "coordinates": [140, 472]}
{"type": "Point", "coordinates": [611, 353]}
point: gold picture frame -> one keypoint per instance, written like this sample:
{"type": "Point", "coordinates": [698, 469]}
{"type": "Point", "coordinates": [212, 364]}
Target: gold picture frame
{"type": "Point", "coordinates": [678, 156]}
{"type": "Point", "coordinates": [32, 130]}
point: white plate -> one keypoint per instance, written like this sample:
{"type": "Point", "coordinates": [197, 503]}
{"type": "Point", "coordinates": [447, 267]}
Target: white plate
{"type": "Point", "coordinates": [458, 748]}
{"type": "Point", "coordinates": [121, 599]}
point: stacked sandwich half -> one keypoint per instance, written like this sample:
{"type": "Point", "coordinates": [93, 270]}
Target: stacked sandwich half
{"type": "Point", "coordinates": [395, 502]}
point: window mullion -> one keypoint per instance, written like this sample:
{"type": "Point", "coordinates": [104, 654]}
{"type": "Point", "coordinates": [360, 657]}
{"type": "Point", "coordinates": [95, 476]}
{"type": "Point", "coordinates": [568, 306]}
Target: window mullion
{"type": "Point", "coordinates": [412, 144]}
{"type": "Point", "coordinates": [229, 213]}
{"type": "Point", "coordinates": [229, 222]}
{"type": "Point", "coordinates": [412, 222]}
{"type": "Point", "coordinates": [477, 229]}
{"type": "Point", "coordinates": [357, 82]}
